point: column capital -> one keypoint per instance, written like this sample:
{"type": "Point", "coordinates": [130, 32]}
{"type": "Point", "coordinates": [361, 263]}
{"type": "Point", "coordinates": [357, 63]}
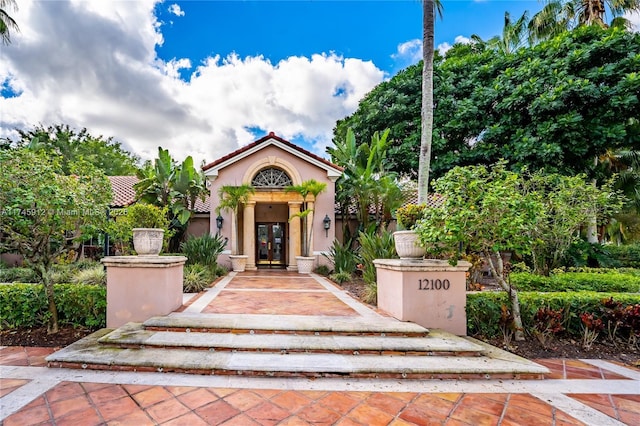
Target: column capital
{"type": "Point", "coordinates": [294, 203]}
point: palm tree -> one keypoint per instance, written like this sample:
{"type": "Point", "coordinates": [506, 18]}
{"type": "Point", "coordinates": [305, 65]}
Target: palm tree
{"type": "Point", "coordinates": [513, 35]}
{"type": "Point", "coordinates": [7, 23]}
{"type": "Point", "coordinates": [561, 15]}
{"type": "Point", "coordinates": [306, 188]}
{"type": "Point", "coordinates": [429, 8]}
{"type": "Point", "coordinates": [231, 197]}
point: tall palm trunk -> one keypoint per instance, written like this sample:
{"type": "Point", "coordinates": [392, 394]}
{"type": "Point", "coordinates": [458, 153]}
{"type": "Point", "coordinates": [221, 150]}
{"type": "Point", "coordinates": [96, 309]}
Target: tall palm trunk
{"type": "Point", "coordinates": [426, 134]}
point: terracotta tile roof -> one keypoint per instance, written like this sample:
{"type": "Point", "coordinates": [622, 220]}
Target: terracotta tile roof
{"type": "Point", "coordinates": [124, 195]}
{"type": "Point", "coordinates": [271, 135]}
{"type": "Point", "coordinates": [123, 192]}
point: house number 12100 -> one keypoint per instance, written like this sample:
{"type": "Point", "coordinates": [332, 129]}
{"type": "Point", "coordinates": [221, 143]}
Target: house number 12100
{"type": "Point", "coordinates": [433, 284]}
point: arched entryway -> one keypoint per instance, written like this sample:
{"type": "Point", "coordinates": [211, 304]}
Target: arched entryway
{"type": "Point", "coordinates": [271, 230]}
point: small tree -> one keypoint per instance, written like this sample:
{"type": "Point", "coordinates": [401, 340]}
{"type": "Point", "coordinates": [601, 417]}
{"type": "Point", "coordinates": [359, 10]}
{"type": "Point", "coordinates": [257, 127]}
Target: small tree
{"type": "Point", "coordinates": [231, 197]}
{"type": "Point", "coordinates": [484, 211]}
{"type": "Point", "coordinates": [40, 207]}
{"type": "Point", "coordinates": [569, 202]}
{"type": "Point", "coordinates": [306, 188]}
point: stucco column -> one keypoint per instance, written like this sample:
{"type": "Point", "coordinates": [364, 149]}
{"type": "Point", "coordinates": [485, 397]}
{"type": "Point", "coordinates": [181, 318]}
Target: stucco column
{"type": "Point", "coordinates": [294, 234]}
{"type": "Point", "coordinates": [310, 206]}
{"type": "Point", "coordinates": [249, 238]}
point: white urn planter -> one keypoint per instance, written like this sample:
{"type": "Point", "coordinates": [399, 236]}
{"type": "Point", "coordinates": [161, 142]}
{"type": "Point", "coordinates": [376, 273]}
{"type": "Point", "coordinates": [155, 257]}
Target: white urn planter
{"type": "Point", "coordinates": [148, 241]}
{"type": "Point", "coordinates": [305, 264]}
{"type": "Point", "coordinates": [407, 245]}
{"type": "Point", "coordinates": [238, 262]}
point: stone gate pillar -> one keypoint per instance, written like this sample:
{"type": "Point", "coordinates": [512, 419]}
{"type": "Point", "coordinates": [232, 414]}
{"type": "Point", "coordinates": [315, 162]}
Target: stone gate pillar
{"type": "Point", "coordinates": [429, 292]}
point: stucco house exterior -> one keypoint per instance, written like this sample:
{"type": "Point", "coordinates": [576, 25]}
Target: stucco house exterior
{"type": "Point", "coordinates": [269, 232]}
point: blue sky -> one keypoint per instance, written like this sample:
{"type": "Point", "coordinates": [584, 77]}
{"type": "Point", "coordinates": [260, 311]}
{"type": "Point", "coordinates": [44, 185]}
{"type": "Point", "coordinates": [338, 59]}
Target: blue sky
{"type": "Point", "coordinates": [369, 30]}
{"type": "Point", "coordinates": [203, 78]}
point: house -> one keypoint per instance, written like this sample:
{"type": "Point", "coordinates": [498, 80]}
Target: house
{"type": "Point", "coordinates": [269, 232]}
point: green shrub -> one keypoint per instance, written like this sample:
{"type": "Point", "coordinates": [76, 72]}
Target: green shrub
{"type": "Point", "coordinates": [625, 256]}
{"type": "Point", "coordinates": [19, 275]}
{"type": "Point", "coordinates": [409, 215]}
{"type": "Point", "coordinates": [25, 305]}
{"type": "Point", "coordinates": [630, 271]}
{"type": "Point", "coordinates": [583, 253]}
{"type": "Point", "coordinates": [322, 270]}
{"type": "Point", "coordinates": [374, 246]}
{"type": "Point", "coordinates": [196, 278]}
{"type": "Point", "coordinates": [94, 276]}
{"type": "Point", "coordinates": [343, 257]}
{"type": "Point", "coordinates": [340, 277]}
{"type": "Point", "coordinates": [203, 250]}
{"type": "Point", "coordinates": [483, 308]}
{"type": "Point", "coordinates": [577, 281]}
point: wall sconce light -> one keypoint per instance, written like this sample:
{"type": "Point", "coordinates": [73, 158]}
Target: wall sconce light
{"type": "Point", "coordinates": [327, 224]}
{"type": "Point", "coordinates": [219, 221]}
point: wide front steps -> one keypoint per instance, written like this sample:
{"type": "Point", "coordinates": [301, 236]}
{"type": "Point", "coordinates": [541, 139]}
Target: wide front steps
{"type": "Point", "coordinates": [292, 346]}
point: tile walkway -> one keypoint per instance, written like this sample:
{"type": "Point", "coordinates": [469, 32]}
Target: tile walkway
{"type": "Point", "coordinates": [576, 392]}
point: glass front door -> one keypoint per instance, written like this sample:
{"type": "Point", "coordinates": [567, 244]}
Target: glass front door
{"type": "Point", "coordinates": [270, 243]}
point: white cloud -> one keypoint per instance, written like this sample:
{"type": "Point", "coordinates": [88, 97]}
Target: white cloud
{"type": "Point", "coordinates": [175, 9]}
{"type": "Point", "coordinates": [462, 40]}
{"type": "Point", "coordinates": [635, 20]}
{"type": "Point", "coordinates": [409, 52]}
{"type": "Point", "coordinates": [444, 47]}
{"type": "Point", "coordinates": [101, 72]}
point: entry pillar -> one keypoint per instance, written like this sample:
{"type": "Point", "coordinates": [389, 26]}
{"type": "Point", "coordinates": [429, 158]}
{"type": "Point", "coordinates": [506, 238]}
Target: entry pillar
{"type": "Point", "coordinates": [429, 292]}
{"type": "Point", "coordinates": [141, 287]}
{"type": "Point", "coordinates": [294, 234]}
{"type": "Point", "coordinates": [249, 235]}
{"type": "Point", "coordinates": [310, 206]}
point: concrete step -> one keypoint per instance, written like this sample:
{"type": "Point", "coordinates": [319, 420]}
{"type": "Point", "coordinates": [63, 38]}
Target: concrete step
{"type": "Point", "coordinates": [285, 324]}
{"type": "Point", "coordinates": [436, 343]}
{"type": "Point", "coordinates": [494, 363]}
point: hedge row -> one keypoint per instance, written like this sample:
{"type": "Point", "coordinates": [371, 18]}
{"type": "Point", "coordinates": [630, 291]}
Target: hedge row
{"type": "Point", "coordinates": [625, 256]}
{"type": "Point", "coordinates": [484, 309]}
{"type": "Point", "coordinates": [25, 305]}
{"type": "Point", "coordinates": [611, 281]}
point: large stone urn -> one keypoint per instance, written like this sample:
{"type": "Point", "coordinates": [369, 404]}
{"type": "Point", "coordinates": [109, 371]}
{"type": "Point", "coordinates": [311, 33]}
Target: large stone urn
{"type": "Point", "coordinates": [238, 262]}
{"type": "Point", "coordinates": [305, 264]}
{"type": "Point", "coordinates": [407, 245]}
{"type": "Point", "coordinates": [148, 241]}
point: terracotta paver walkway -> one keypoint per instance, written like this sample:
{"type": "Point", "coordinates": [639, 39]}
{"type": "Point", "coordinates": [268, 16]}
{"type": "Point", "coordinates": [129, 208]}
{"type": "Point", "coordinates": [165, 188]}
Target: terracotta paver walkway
{"type": "Point", "coordinates": [576, 392]}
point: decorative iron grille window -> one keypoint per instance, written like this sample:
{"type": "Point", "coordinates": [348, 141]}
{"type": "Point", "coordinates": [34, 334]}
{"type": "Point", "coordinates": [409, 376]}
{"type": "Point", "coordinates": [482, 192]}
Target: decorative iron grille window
{"type": "Point", "coordinates": [271, 178]}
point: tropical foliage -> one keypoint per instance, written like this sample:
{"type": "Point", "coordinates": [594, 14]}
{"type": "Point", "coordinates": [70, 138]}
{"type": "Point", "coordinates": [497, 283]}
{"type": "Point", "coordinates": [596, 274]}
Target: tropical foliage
{"type": "Point", "coordinates": [307, 188]}
{"type": "Point", "coordinates": [41, 207]}
{"type": "Point", "coordinates": [367, 184]}
{"type": "Point", "coordinates": [73, 146]}
{"type": "Point", "coordinates": [556, 106]}
{"type": "Point", "coordinates": [177, 186]}
{"type": "Point", "coordinates": [7, 23]}
{"type": "Point", "coordinates": [231, 198]}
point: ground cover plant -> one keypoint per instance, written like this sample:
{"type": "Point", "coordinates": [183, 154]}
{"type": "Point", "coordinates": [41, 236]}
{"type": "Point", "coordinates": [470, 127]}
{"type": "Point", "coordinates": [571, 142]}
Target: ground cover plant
{"type": "Point", "coordinates": [611, 281]}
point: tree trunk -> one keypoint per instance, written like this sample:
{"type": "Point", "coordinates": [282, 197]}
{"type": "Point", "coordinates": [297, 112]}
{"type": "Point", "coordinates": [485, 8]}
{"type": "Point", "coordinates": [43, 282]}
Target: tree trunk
{"type": "Point", "coordinates": [52, 325]}
{"type": "Point", "coordinates": [426, 134]}
{"type": "Point", "coordinates": [497, 270]}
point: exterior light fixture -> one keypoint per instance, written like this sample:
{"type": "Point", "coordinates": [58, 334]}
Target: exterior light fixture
{"type": "Point", "coordinates": [327, 224]}
{"type": "Point", "coordinates": [219, 221]}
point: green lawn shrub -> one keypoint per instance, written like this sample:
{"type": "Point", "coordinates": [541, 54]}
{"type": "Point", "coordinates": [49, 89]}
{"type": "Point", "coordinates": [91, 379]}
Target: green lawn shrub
{"type": "Point", "coordinates": [25, 305]}
{"type": "Point", "coordinates": [484, 309]}
{"type": "Point", "coordinates": [196, 278]}
{"type": "Point", "coordinates": [342, 257]}
{"type": "Point", "coordinates": [94, 276]}
{"type": "Point", "coordinates": [625, 256]}
{"type": "Point", "coordinates": [203, 250]}
{"type": "Point", "coordinates": [611, 281]}
{"type": "Point", "coordinates": [19, 275]}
